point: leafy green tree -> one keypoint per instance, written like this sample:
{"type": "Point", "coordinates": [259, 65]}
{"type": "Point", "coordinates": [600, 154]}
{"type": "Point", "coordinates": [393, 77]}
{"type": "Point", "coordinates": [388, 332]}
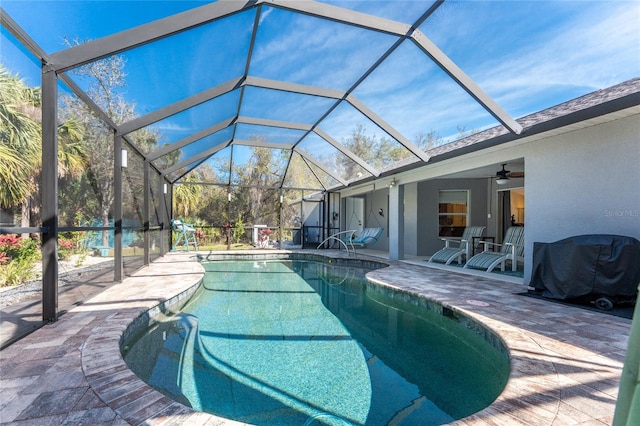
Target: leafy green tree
{"type": "Point", "coordinates": [102, 78]}
{"type": "Point", "coordinates": [255, 198]}
{"type": "Point", "coordinates": [72, 164]}
{"type": "Point", "coordinates": [299, 174]}
{"type": "Point", "coordinates": [428, 140]}
{"type": "Point", "coordinates": [362, 146]}
{"type": "Point", "coordinates": [379, 153]}
{"type": "Point", "coordinates": [264, 169]}
{"type": "Point", "coordinates": [186, 196]}
{"type": "Point", "coordinates": [463, 132]}
{"type": "Point", "coordinates": [212, 201]}
{"type": "Point", "coordinates": [104, 81]}
{"type": "Point", "coordinates": [238, 230]}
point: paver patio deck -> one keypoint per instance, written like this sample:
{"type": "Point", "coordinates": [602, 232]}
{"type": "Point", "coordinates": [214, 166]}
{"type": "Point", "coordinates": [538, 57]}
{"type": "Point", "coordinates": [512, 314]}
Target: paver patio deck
{"type": "Point", "coordinates": [566, 362]}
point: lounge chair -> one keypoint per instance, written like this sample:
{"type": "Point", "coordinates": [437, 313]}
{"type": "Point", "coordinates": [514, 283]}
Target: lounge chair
{"type": "Point", "coordinates": [351, 238]}
{"type": "Point", "coordinates": [451, 252]}
{"type": "Point", "coordinates": [365, 237]}
{"type": "Point", "coordinates": [185, 235]}
{"type": "Point", "coordinates": [512, 248]}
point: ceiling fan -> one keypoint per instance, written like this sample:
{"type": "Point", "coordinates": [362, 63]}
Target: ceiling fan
{"type": "Point", "coordinates": [502, 176]}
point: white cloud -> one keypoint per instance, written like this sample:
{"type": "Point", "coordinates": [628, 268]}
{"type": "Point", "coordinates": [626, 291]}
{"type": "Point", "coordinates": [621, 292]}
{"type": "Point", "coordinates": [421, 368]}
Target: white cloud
{"type": "Point", "coordinates": [265, 14]}
{"type": "Point", "coordinates": [172, 127]}
{"type": "Point", "coordinates": [597, 49]}
{"type": "Point", "coordinates": [312, 51]}
{"type": "Point", "coordinates": [532, 65]}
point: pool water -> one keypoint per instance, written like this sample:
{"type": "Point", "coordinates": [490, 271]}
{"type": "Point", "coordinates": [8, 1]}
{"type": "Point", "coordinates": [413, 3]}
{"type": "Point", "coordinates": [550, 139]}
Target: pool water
{"type": "Point", "coordinates": [306, 343]}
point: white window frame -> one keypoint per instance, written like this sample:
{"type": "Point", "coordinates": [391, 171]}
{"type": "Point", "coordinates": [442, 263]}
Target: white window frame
{"type": "Point", "coordinates": [453, 197]}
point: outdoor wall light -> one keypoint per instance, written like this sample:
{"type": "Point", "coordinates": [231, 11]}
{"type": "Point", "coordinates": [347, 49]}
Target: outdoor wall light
{"type": "Point", "coordinates": [124, 158]}
{"type": "Point", "coordinates": [381, 212]}
{"type": "Point", "coordinates": [392, 183]}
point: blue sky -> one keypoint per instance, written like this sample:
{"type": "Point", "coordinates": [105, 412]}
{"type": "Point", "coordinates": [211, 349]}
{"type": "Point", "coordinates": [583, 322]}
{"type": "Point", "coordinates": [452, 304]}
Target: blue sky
{"type": "Point", "coordinates": [527, 55]}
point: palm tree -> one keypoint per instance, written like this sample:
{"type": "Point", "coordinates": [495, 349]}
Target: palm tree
{"type": "Point", "coordinates": [14, 180]}
{"type": "Point", "coordinates": [72, 155]}
{"type": "Point", "coordinates": [20, 139]}
{"type": "Point", "coordinates": [186, 197]}
{"type": "Point", "coordinates": [21, 147]}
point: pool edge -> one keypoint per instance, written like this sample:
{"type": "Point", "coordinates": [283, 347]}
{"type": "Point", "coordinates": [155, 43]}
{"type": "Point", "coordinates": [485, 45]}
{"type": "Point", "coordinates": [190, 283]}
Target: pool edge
{"type": "Point", "coordinates": [149, 317]}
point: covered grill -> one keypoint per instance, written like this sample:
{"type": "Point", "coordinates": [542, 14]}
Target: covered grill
{"type": "Point", "coordinates": [604, 268]}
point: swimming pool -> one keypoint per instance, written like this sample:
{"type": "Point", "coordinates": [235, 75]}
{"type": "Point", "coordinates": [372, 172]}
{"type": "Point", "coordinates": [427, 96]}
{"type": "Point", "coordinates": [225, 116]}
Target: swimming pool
{"type": "Point", "coordinates": [297, 342]}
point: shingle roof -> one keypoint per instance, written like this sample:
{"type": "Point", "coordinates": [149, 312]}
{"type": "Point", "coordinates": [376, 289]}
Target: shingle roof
{"type": "Point", "coordinates": [599, 102]}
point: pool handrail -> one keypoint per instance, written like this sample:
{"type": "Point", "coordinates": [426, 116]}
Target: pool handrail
{"type": "Point", "coordinates": [350, 232]}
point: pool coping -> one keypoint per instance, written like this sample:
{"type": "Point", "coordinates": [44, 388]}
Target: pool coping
{"type": "Point", "coordinates": [566, 362]}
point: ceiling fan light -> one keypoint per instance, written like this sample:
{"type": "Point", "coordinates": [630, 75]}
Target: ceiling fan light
{"type": "Point", "coordinates": [501, 176]}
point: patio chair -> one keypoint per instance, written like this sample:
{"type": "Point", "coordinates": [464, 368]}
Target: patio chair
{"type": "Point", "coordinates": [365, 237]}
{"type": "Point", "coordinates": [350, 240]}
{"type": "Point", "coordinates": [450, 252]}
{"type": "Point", "coordinates": [512, 248]}
{"type": "Point", "coordinates": [185, 235]}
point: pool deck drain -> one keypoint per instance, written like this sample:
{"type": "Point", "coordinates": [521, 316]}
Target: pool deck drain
{"type": "Point", "coordinates": [566, 362]}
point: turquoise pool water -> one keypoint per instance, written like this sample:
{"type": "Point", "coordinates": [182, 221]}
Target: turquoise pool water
{"type": "Point", "coordinates": [306, 343]}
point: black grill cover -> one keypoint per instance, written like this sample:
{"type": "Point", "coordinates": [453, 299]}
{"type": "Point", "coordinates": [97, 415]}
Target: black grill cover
{"type": "Point", "coordinates": [587, 265]}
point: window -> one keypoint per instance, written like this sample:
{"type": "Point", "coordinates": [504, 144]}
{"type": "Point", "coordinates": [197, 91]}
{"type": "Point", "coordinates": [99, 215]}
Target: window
{"type": "Point", "coordinates": [453, 212]}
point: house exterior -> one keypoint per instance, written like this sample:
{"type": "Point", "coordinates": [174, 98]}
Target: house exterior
{"type": "Point", "coordinates": [579, 173]}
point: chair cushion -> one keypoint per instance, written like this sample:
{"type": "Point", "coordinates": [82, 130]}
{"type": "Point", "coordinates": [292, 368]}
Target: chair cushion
{"type": "Point", "coordinates": [483, 260]}
{"type": "Point", "coordinates": [443, 255]}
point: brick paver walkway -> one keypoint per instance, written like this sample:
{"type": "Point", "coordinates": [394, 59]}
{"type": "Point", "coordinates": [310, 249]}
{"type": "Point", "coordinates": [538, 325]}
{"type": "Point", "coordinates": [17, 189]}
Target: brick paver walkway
{"type": "Point", "coordinates": [566, 362]}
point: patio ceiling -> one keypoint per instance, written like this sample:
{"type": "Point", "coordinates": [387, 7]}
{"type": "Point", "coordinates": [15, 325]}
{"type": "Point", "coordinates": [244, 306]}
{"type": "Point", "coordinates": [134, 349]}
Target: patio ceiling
{"type": "Point", "coordinates": [301, 79]}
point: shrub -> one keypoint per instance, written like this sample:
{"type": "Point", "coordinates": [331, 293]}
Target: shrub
{"type": "Point", "coordinates": [10, 245]}
{"type": "Point", "coordinates": [17, 256]}
{"type": "Point", "coordinates": [238, 230]}
{"type": "Point", "coordinates": [17, 272]}
{"type": "Point", "coordinates": [217, 235]}
{"type": "Point", "coordinates": [16, 248]}
{"type": "Point", "coordinates": [264, 234]}
{"type": "Point", "coordinates": [66, 248]}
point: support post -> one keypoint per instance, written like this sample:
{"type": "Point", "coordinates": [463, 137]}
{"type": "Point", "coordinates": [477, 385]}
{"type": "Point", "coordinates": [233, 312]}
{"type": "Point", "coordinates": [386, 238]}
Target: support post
{"type": "Point", "coordinates": [49, 194]}
{"type": "Point", "coordinates": [117, 207]}
{"type": "Point", "coordinates": [326, 220]}
{"type": "Point", "coordinates": [280, 221]}
{"type": "Point", "coordinates": [162, 200]}
{"type": "Point", "coordinates": [146, 212]}
{"type": "Point", "coordinates": [228, 225]}
{"type": "Point", "coordinates": [167, 225]}
{"type": "Point", "coordinates": [396, 222]}
{"type": "Point", "coordinates": [628, 403]}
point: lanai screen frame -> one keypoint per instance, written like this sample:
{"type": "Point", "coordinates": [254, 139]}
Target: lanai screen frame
{"type": "Point", "coordinates": [56, 65]}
